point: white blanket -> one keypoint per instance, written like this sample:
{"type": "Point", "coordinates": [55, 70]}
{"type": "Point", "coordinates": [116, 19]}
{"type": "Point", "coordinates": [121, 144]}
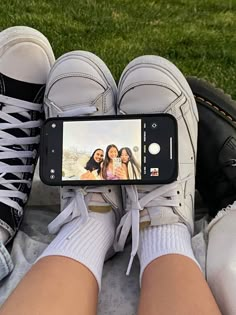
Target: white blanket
{"type": "Point", "coordinates": [33, 237]}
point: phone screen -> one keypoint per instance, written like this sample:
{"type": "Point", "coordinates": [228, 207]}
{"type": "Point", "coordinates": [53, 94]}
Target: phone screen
{"type": "Point", "coordinates": [102, 151]}
{"type": "Point", "coordinates": [109, 150]}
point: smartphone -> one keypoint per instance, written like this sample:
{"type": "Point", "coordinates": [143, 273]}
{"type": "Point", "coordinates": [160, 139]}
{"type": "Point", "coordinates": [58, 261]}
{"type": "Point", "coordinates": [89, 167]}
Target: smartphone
{"type": "Point", "coordinates": [116, 163]}
{"type": "Point", "coordinates": [100, 150]}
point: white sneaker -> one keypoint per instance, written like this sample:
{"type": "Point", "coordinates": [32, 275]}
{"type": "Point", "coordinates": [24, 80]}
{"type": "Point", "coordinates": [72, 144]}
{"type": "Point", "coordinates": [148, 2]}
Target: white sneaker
{"type": "Point", "coordinates": [151, 84]}
{"type": "Point", "coordinates": [221, 258]}
{"type": "Point", "coordinates": [81, 84]}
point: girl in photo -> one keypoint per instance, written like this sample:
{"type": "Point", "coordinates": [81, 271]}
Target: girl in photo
{"type": "Point", "coordinates": [108, 171]}
{"type": "Point", "coordinates": [132, 166]}
{"type": "Point", "coordinates": [93, 165]}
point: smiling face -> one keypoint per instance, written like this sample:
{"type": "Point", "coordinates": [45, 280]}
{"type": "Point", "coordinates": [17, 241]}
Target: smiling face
{"type": "Point", "coordinates": [124, 156]}
{"type": "Point", "coordinates": [112, 153]}
{"type": "Point", "coordinates": [98, 156]}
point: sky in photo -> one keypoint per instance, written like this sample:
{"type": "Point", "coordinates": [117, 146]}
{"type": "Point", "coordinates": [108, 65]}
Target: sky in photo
{"type": "Point", "coordinates": [87, 136]}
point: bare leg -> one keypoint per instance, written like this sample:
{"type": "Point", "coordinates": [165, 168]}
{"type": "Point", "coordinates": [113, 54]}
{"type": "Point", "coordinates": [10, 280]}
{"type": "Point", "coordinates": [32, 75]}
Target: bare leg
{"type": "Point", "coordinates": [55, 285]}
{"type": "Point", "coordinates": [174, 284]}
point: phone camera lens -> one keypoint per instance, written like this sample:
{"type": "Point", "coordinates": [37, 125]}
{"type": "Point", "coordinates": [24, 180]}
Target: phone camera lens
{"type": "Point", "coordinates": [54, 125]}
{"type": "Point", "coordinates": [154, 125]}
{"type": "Point", "coordinates": [52, 171]}
{"type": "Point", "coordinates": [52, 176]}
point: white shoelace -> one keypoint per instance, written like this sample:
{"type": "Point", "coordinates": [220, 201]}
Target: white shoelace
{"type": "Point", "coordinates": [11, 106]}
{"type": "Point", "coordinates": [79, 110]}
{"type": "Point", "coordinates": [164, 196]}
{"type": "Point", "coordinates": [79, 198]}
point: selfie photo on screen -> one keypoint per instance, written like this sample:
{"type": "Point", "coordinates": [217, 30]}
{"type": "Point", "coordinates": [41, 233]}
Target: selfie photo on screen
{"type": "Point", "coordinates": [111, 151]}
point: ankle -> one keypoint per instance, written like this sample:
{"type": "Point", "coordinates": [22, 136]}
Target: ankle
{"type": "Point", "coordinates": [162, 240]}
{"type": "Point", "coordinates": [87, 243]}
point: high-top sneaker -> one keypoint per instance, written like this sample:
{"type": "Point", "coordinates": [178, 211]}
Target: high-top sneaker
{"type": "Point", "coordinates": [81, 84]}
{"type": "Point", "coordinates": [25, 60]}
{"type": "Point", "coordinates": [216, 160]}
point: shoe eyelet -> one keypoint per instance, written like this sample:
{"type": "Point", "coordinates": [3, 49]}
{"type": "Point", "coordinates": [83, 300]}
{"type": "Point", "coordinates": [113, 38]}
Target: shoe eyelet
{"type": "Point", "coordinates": [178, 192]}
{"type": "Point", "coordinates": [109, 190]}
{"type": "Point", "coordinates": [180, 204]}
{"type": "Point", "coordinates": [19, 213]}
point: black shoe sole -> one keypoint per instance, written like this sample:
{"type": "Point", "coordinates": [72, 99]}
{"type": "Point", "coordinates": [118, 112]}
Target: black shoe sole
{"type": "Point", "coordinates": [214, 98]}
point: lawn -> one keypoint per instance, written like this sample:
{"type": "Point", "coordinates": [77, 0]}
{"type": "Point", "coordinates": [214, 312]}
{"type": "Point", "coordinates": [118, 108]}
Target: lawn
{"type": "Point", "coordinates": [198, 36]}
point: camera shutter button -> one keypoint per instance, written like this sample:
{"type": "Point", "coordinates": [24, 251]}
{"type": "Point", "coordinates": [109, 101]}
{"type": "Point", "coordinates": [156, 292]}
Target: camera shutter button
{"type": "Point", "coordinates": [154, 148]}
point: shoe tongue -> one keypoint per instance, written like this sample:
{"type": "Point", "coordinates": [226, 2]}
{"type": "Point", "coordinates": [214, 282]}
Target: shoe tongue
{"type": "Point", "coordinates": [21, 90]}
{"type": "Point", "coordinates": [159, 209]}
{"type": "Point", "coordinates": [159, 215]}
{"type": "Point", "coordinates": [145, 189]}
{"type": "Point", "coordinates": [94, 201]}
{"type": "Point", "coordinates": [93, 198]}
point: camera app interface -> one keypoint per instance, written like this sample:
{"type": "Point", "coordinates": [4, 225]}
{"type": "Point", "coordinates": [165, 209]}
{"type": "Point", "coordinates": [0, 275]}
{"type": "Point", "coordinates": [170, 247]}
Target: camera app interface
{"type": "Point", "coordinates": [102, 150]}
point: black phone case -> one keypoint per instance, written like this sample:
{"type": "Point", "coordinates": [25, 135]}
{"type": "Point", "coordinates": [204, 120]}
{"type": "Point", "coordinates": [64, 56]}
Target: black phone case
{"type": "Point", "coordinates": [53, 160]}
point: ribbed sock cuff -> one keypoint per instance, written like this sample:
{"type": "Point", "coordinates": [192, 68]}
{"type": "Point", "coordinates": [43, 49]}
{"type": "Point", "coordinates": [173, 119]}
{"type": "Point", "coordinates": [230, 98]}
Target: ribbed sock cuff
{"type": "Point", "coordinates": [161, 240]}
{"type": "Point", "coordinates": [87, 243]}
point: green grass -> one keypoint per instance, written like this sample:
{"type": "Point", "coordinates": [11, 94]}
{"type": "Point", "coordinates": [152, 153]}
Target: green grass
{"type": "Point", "coordinates": [199, 36]}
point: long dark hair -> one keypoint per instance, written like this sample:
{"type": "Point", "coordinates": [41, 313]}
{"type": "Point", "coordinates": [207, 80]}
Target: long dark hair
{"type": "Point", "coordinates": [133, 162]}
{"type": "Point", "coordinates": [92, 164]}
{"type": "Point", "coordinates": [107, 160]}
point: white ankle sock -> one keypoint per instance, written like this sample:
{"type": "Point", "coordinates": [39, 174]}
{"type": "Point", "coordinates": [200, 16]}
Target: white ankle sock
{"type": "Point", "coordinates": [87, 243]}
{"type": "Point", "coordinates": [161, 240]}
